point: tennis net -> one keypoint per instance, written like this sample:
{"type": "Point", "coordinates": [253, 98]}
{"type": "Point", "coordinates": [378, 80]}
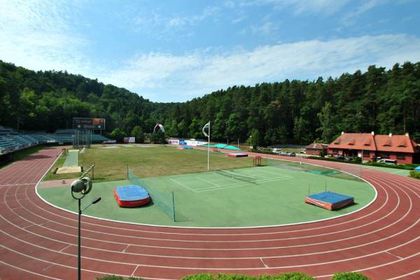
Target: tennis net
{"type": "Point", "coordinates": [237, 176]}
{"type": "Point", "coordinates": [164, 200]}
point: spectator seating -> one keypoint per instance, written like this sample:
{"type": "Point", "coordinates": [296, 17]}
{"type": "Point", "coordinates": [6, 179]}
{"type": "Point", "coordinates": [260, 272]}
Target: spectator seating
{"type": "Point", "coordinates": [11, 140]}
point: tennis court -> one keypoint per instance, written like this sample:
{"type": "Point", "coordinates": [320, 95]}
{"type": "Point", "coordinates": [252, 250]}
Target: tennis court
{"type": "Point", "coordinates": [253, 196]}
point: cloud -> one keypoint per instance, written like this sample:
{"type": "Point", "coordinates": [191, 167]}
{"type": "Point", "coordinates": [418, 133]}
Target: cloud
{"type": "Point", "coordinates": [35, 34]}
{"type": "Point", "coordinates": [148, 71]}
{"type": "Point", "coordinates": [299, 7]}
{"type": "Point", "coordinates": [366, 6]}
{"type": "Point", "coordinates": [267, 28]}
{"type": "Point", "coordinates": [158, 22]}
{"type": "Point", "coordinates": [167, 77]}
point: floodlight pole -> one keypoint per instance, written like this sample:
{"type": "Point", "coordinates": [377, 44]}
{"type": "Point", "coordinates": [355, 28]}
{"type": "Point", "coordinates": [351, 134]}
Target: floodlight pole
{"type": "Point", "coordinates": [79, 189]}
{"type": "Point", "coordinates": [79, 240]}
{"type": "Point", "coordinates": [79, 235]}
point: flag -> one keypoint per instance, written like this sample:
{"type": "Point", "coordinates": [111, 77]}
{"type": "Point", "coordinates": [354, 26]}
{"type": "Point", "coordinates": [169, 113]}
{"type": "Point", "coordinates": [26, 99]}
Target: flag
{"type": "Point", "coordinates": [207, 125]}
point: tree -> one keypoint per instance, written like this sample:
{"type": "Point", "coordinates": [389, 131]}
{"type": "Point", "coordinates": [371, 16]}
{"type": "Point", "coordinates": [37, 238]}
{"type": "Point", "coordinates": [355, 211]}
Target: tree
{"type": "Point", "coordinates": [158, 137]}
{"type": "Point", "coordinates": [328, 126]}
{"type": "Point", "coordinates": [118, 134]}
{"type": "Point", "coordinates": [137, 132]}
{"type": "Point", "coordinates": [289, 112]}
{"type": "Point", "coordinates": [301, 131]}
{"type": "Point", "coordinates": [254, 139]}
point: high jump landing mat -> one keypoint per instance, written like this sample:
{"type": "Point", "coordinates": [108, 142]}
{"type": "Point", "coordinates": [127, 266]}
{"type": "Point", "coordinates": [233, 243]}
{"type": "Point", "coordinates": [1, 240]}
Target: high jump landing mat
{"type": "Point", "coordinates": [329, 200]}
{"type": "Point", "coordinates": [131, 196]}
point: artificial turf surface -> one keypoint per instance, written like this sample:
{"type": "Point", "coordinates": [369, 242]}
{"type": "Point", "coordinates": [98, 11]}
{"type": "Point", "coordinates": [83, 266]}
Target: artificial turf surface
{"type": "Point", "coordinates": [210, 198]}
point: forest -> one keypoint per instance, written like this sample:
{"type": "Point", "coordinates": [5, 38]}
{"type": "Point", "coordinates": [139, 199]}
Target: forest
{"type": "Point", "coordinates": [287, 112]}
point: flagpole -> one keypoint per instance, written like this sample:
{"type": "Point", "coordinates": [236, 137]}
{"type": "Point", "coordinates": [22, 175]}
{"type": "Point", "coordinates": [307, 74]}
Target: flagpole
{"type": "Point", "coordinates": [208, 150]}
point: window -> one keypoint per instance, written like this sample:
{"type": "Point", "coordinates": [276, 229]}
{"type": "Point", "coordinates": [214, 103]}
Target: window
{"type": "Point", "coordinates": [400, 156]}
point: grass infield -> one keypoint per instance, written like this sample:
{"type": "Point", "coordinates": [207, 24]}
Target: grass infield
{"type": "Point", "coordinates": [212, 199]}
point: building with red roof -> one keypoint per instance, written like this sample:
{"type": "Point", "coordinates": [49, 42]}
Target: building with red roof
{"type": "Point", "coordinates": [316, 149]}
{"type": "Point", "coordinates": [369, 147]}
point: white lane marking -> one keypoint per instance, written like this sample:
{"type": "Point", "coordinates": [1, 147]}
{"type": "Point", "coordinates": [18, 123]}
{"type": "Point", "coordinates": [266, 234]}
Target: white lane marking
{"type": "Point", "coordinates": [18, 184]}
{"type": "Point", "coordinates": [376, 266]}
{"type": "Point", "coordinates": [134, 271]}
{"type": "Point", "coordinates": [394, 255]}
{"type": "Point", "coordinates": [29, 271]}
{"type": "Point", "coordinates": [404, 275]}
{"type": "Point", "coordinates": [125, 249]}
{"type": "Point", "coordinates": [247, 241]}
{"type": "Point", "coordinates": [214, 228]}
{"type": "Point", "coordinates": [266, 266]}
{"type": "Point", "coordinates": [66, 247]}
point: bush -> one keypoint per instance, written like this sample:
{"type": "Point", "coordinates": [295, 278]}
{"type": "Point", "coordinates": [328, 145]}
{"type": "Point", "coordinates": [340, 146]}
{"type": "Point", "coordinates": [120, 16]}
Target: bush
{"type": "Point", "coordinates": [349, 276]}
{"type": "Point", "coordinates": [113, 277]}
{"type": "Point", "coordinates": [415, 174]}
{"type": "Point", "coordinates": [118, 134]}
{"type": "Point", "coordinates": [286, 276]}
{"type": "Point", "coordinates": [401, 166]}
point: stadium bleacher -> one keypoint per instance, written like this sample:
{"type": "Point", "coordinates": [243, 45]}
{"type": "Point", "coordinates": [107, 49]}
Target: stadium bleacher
{"type": "Point", "coordinates": [11, 140]}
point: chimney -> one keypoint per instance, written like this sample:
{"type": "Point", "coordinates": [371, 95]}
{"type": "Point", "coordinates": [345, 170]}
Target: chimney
{"type": "Point", "coordinates": [406, 134]}
{"type": "Point", "coordinates": [373, 133]}
{"type": "Point", "coordinates": [342, 132]}
{"type": "Point", "coordinates": [390, 135]}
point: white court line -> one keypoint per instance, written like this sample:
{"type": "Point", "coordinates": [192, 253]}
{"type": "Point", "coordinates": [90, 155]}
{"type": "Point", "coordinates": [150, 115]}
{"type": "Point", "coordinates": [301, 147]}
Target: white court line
{"type": "Point", "coordinates": [222, 234]}
{"type": "Point", "coordinates": [180, 184]}
{"type": "Point", "coordinates": [268, 172]}
{"type": "Point", "coordinates": [256, 234]}
{"type": "Point", "coordinates": [279, 179]}
{"type": "Point", "coordinates": [206, 181]}
{"type": "Point", "coordinates": [232, 186]}
{"type": "Point", "coordinates": [209, 189]}
{"type": "Point", "coordinates": [287, 231]}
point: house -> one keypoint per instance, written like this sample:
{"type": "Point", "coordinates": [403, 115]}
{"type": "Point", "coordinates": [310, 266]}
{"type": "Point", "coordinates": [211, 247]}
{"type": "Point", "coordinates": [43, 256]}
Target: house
{"type": "Point", "coordinates": [316, 149]}
{"type": "Point", "coordinates": [369, 147]}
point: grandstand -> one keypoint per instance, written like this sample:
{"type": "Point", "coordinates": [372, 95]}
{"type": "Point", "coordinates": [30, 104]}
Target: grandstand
{"type": "Point", "coordinates": [11, 140]}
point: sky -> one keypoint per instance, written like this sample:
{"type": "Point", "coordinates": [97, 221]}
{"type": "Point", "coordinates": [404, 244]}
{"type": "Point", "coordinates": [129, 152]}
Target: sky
{"type": "Point", "coordinates": [174, 51]}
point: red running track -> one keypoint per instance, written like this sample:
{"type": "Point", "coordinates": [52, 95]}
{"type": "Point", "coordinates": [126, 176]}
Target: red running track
{"type": "Point", "coordinates": [39, 241]}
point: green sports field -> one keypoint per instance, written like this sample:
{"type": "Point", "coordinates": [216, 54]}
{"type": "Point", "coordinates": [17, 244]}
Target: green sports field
{"type": "Point", "coordinates": [241, 196]}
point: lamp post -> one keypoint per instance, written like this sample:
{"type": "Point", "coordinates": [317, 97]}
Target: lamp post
{"type": "Point", "coordinates": [79, 189]}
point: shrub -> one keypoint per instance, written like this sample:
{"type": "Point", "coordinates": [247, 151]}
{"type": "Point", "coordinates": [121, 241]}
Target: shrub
{"type": "Point", "coordinates": [349, 276]}
{"type": "Point", "coordinates": [286, 276]}
{"type": "Point", "coordinates": [415, 174]}
{"type": "Point", "coordinates": [113, 277]}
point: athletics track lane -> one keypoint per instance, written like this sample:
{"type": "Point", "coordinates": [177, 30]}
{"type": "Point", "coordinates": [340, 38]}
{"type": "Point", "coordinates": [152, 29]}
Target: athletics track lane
{"type": "Point", "coordinates": [38, 240]}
